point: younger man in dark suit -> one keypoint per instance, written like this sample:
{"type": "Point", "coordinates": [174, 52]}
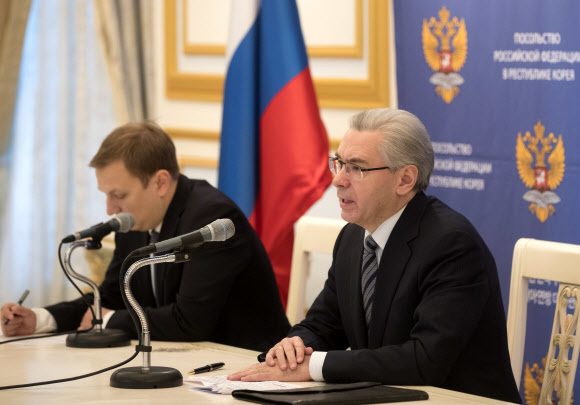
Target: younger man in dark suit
{"type": "Point", "coordinates": [413, 290]}
{"type": "Point", "coordinates": [227, 293]}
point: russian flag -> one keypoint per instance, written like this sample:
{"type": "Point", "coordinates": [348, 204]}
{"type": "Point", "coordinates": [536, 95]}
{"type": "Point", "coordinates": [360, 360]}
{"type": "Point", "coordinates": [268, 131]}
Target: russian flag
{"type": "Point", "coordinates": [274, 147]}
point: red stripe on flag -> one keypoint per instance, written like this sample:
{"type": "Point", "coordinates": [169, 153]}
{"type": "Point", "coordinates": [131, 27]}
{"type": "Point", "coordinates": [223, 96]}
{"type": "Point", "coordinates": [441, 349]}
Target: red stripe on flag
{"type": "Point", "coordinates": [293, 170]}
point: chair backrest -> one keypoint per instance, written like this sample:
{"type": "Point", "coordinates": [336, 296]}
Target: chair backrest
{"type": "Point", "coordinates": [547, 261]}
{"type": "Point", "coordinates": [99, 260]}
{"type": "Point", "coordinates": [311, 235]}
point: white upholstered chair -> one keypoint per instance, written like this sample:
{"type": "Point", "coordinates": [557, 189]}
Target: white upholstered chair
{"type": "Point", "coordinates": [311, 235]}
{"type": "Point", "coordinates": [548, 261]}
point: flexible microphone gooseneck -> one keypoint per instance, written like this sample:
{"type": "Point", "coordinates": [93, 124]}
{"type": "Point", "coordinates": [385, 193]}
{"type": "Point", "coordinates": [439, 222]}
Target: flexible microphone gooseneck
{"type": "Point", "coordinates": [97, 337]}
{"type": "Point", "coordinates": [148, 376]}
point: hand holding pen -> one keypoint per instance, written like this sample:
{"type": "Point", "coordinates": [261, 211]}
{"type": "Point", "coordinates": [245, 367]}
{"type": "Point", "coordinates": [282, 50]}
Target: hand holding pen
{"type": "Point", "coordinates": [18, 320]}
{"type": "Point", "coordinates": [20, 301]}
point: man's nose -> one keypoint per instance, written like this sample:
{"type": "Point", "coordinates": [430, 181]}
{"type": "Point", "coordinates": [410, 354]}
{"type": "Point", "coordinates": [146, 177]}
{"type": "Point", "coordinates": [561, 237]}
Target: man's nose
{"type": "Point", "coordinates": [341, 179]}
{"type": "Point", "coordinates": [112, 208]}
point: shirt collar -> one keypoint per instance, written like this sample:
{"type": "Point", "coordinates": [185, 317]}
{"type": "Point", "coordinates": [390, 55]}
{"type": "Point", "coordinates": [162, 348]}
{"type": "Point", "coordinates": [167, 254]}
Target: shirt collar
{"type": "Point", "coordinates": [156, 229]}
{"type": "Point", "coordinates": [382, 233]}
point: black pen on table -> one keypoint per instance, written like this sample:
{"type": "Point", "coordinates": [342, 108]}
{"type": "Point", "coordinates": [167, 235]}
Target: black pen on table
{"type": "Point", "coordinates": [205, 369]}
{"type": "Point", "coordinates": [20, 301]}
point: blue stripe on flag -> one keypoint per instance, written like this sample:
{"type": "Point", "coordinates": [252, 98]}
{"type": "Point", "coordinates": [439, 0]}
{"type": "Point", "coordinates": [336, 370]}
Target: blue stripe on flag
{"type": "Point", "coordinates": [239, 149]}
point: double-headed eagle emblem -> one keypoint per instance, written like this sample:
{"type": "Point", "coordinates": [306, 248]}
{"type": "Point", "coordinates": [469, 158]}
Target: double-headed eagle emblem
{"type": "Point", "coordinates": [533, 379]}
{"type": "Point", "coordinates": [539, 178]}
{"type": "Point", "coordinates": [447, 54]}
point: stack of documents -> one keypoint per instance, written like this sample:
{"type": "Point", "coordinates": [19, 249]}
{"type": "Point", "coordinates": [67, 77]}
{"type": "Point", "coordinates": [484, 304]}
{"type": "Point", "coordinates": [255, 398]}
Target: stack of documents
{"type": "Point", "coordinates": [220, 384]}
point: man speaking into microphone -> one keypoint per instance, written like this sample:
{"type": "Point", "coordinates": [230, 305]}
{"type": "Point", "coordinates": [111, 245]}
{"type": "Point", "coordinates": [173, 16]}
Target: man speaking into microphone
{"type": "Point", "coordinates": [227, 293]}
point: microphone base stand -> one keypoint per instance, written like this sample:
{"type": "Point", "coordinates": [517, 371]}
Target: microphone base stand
{"type": "Point", "coordinates": [146, 376]}
{"type": "Point", "coordinates": [98, 337]}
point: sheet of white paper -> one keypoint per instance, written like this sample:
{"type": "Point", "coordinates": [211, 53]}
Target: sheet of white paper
{"type": "Point", "coordinates": [219, 384]}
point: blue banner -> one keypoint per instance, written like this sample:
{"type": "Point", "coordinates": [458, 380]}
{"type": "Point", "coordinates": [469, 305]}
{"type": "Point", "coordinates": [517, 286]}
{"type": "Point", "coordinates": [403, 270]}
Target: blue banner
{"type": "Point", "coordinates": [497, 86]}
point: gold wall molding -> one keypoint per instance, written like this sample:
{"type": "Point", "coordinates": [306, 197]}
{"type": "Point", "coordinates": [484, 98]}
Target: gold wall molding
{"type": "Point", "coordinates": [199, 162]}
{"type": "Point", "coordinates": [201, 135]}
{"type": "Point", "coordinates": [333, 144]}
{"type": "Point", "coordinates": [197, 49]}
{"type": "Point", "coordinates": [185, 86]}
{"type": "Point", "coordinates": [352, 51]}
{"type": "Point", "coordinates": [370, 92]}
{"type": "Point", "coordinates": [197, 135]}
{"type": "Point", "coordinates": [193, 134]}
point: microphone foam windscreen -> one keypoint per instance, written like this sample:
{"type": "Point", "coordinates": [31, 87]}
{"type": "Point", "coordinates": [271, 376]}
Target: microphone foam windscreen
{"type": "Point", "coordinates": [222, 229]}
{"type": "Point", "coordinates": [126, 222]}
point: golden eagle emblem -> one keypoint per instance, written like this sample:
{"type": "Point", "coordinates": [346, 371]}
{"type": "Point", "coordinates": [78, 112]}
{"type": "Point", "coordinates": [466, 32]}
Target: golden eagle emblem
{"type": "Point", "coordinates": [538, 177]}
{"type": "Point", "coordinates": [439, 56]}
{"type": "Point", "coordinates": [533, 379]}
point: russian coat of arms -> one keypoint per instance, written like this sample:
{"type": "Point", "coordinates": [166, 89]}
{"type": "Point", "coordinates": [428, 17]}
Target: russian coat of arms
{"type": "Point", "coordinates": [535, 173]}
{"type": "Point", "coordinates": [533, 379]}
{"type": "Point", "coordinates": [445, 50]}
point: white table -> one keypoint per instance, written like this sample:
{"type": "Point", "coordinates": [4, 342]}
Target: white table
{"type": "Point", "coordinates": [49, 359]}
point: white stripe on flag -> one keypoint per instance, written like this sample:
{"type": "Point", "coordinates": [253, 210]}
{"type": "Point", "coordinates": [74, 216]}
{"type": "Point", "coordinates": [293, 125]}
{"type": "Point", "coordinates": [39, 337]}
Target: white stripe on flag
{"type": "Point", "coordinates": [242, 17]}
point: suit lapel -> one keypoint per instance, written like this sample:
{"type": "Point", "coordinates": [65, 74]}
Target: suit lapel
{"type": "Point", "coordinates": [141, 282]}
{"type": "Point", "coordinates": [392, 266]}
{"type": "Point", "coordinates": [169, 230]}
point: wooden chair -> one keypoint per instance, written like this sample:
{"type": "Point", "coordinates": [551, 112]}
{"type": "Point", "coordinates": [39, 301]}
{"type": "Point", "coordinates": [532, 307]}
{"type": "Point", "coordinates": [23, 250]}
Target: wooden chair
{"type": "Point", "coordinates": [547, 261]}
{"type": "Point", "coordinates": [311, 235]}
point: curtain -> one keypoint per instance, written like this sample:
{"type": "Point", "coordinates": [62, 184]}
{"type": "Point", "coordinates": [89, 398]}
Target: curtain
{"type": "Point", "coordinates": [13, 17]}
{"type": "Point", "coordinates": [63, 111]}
{"type": "Point", "coordinates": [125, 31]}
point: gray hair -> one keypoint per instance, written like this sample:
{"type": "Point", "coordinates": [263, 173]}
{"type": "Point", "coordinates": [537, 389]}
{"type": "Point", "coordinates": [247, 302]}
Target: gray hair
{"type": "Point", "coordinates": [405, 140]}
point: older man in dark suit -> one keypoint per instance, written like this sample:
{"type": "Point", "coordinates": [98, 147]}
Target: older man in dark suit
{"type": "Point", "coordinates": [413, 290]}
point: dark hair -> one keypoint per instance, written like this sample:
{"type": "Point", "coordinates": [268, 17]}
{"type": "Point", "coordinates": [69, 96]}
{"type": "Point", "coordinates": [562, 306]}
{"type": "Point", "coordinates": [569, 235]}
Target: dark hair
{"type": "Point", "coordinates": [143, 147]}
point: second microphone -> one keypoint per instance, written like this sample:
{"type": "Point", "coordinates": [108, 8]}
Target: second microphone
{"type": "Point", "coordinates": [218, 231]}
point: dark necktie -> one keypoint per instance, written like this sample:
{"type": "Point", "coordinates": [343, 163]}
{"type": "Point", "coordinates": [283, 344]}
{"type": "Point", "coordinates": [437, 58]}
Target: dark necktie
{"type": "Point", "coordinates": [369, 276]}
{"type": "Point", "coordinates": [154, 238]}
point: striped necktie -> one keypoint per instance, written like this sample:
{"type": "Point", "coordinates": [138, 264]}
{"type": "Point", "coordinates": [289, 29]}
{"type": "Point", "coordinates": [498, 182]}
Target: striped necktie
{"type": "Point", "coordinates": [154, 238]}
{"type": "Point", "coordinates": [369, 276]}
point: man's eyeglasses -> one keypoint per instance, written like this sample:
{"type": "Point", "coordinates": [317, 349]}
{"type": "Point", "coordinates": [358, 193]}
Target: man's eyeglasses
{"type": "Point", "coordinates": [354, 172]}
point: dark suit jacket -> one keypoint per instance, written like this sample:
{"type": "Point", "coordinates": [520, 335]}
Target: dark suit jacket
{"type": "Point", "coordinates": [227, 293]}
{"type": "Point", "coordinates": [438, 317]}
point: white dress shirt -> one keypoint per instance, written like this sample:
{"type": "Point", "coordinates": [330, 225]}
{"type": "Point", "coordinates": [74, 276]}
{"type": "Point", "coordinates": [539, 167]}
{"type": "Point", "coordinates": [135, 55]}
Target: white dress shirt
{"type": "Point", "coordinates": [381, 236]}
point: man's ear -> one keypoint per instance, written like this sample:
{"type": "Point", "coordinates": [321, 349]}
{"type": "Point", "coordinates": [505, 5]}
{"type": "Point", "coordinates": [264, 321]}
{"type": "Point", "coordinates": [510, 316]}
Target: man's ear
{"type": "Point", "coordinates": [407, 179]}
{"type": "Point", "coordinates": [162, 181]}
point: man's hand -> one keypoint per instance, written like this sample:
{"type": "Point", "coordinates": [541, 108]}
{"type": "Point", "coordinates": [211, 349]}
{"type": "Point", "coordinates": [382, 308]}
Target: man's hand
{"type": "Point", "coordinates": [22, 320]}
{"type": "Point", "coordinates": [87, 321]}
{"type": "Point", "coordinates": [288, 351]}
{"type": "Point", "coordinates": [265, 372]}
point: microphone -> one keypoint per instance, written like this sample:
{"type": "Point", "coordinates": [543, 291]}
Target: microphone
{"type": "Point", "coordinates": [120, 223]}
{"type": "Point", "coordinates": [218, 231]}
